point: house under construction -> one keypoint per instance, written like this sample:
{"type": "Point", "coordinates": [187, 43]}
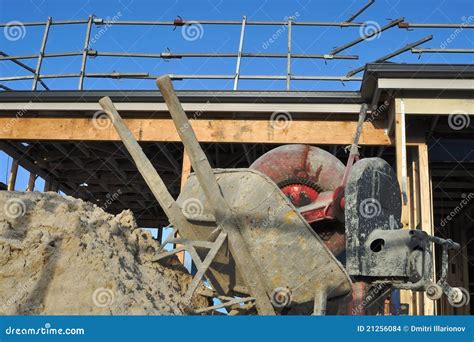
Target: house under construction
{"type": "Point", "coordinates": [417, 120]}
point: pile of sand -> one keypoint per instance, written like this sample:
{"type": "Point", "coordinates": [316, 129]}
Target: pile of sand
{"type": "Point", "coordinates": [61, 255]}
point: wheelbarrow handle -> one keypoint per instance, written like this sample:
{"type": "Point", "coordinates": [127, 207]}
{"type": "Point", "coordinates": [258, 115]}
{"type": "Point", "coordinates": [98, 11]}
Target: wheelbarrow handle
{"type": "Point", "coordinates": [146, 169]}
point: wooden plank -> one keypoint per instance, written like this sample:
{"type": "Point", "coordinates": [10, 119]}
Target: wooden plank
{"type": "Point", "coordinates": [421, 304]}
{"type": "Point", "coordinates": [185, 171]}
{"type": "Point", "coordinates": [415, 191]}
{"type": "Point", "coordinates": [400, 151]}
{"type": "Point", "coordinates": [390, 119]}
{"type": "Point", "coordinates": [31, 182]}
{"type": "Point", "coordinates": [12, 177]}
{"type": "Point", "coordinates": [415, 205]}
{"type": "Point", "coordinates": [420, 212]}
{"type": "Point", "coordinates": [47, 185]}
{"type": "Point", "coordinates": [217, 130]}
{"type": "Point", "coordinates": [426, 306]}
{"type": "Point", "coordinates": [410, 295]}
{"type": "Point", "coordinates": [412, 140]}
{"type": "Point", "coordinates": [186, 168]}
{"type": "Point", "coordinates": [406, 296]}
{"type": "Point", "coordinates": [416, 213]}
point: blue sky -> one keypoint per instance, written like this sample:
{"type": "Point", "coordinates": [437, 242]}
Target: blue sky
{"type": "Point", "coordinates": [223, 39]}
{"type": "Point", "coordinates": [226, 39]}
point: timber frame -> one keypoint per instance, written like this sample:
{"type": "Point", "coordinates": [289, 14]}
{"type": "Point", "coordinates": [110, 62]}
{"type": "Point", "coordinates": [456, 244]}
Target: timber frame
{"type": "Point", "coordinates": [61, 136]}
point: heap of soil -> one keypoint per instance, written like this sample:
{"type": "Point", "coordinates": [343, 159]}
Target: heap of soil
{"type": "Point", "coordinates": [63, 256]}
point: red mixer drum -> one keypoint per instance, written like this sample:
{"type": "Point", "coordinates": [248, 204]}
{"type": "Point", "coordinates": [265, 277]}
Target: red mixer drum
{"type": "Point", "coordinates": [302, 172]}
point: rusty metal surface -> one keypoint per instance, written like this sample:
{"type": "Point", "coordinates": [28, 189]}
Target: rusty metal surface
{"type": "Point", "coordinates": [288, 252]}
{"type": "Point", "coordinates": [304, 162]}
{"type": "Point", "coordinates": [310, 165]}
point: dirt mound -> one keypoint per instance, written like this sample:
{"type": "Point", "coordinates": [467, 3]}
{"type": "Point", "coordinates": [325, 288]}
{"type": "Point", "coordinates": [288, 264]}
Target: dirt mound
{"type": "Point", "coordinates": [61, 255]}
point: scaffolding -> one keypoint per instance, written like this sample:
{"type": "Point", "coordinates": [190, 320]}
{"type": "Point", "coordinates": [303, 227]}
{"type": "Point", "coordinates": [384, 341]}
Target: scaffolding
{"type": "Point", "coordinates": [366, 33]}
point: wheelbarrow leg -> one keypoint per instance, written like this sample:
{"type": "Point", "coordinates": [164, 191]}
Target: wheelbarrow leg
{"type": "Point", "coordinates": [320, 301]}
{"type": "Point", "coordinates": [203, 265]}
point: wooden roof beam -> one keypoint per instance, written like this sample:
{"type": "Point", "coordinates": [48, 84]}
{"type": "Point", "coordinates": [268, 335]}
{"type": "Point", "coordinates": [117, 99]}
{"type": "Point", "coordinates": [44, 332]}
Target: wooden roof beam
{"type": "Point", "coordinates": [217, 130]}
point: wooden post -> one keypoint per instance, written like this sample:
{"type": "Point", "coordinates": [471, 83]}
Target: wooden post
{"type": "Point", "coordinates": [420, 208]}
{"type": "Point", "coordinates": [47, 185]}
{"type": "Point", "coordinates": [31, 182]}
{"type": "Point", "coordinates": [411, 207]}
{"type": "Point", "coordinates": [426, 212]}
{"type": "Point", "coordinates": [186, 168]}
{"type": "Point", "coordinates": [13, 174]}
{"type": "Point", "coordinates": [415, 214]}
{"type": "Point", "coordinates": [400, 148]}
{"type": "Point", "coordinates": [406, 296]}
{"type": "Point", "coordinates": [185, 171]}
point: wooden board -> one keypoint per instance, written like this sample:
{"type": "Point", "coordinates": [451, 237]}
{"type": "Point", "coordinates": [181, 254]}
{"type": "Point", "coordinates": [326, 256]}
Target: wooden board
{"type": "Point", "coordinates": [406, 296]}
{"type": "Point", "coordinates": [186, 170]}
{"type": "Point", "coordinates": [426, 210]}
{"type": "Point", "coordinates": [217, 130]}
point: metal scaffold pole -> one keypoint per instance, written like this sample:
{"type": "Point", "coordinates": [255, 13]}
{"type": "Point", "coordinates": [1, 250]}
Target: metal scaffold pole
{"type": "Point", "coordinates": [239, 54]}
{"type": "Point", "coordinates": [41, 53]}
{"type": "Point", "coordinates": [288, 61]}
{"type": "Point", "coordinates": [85, 53]}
